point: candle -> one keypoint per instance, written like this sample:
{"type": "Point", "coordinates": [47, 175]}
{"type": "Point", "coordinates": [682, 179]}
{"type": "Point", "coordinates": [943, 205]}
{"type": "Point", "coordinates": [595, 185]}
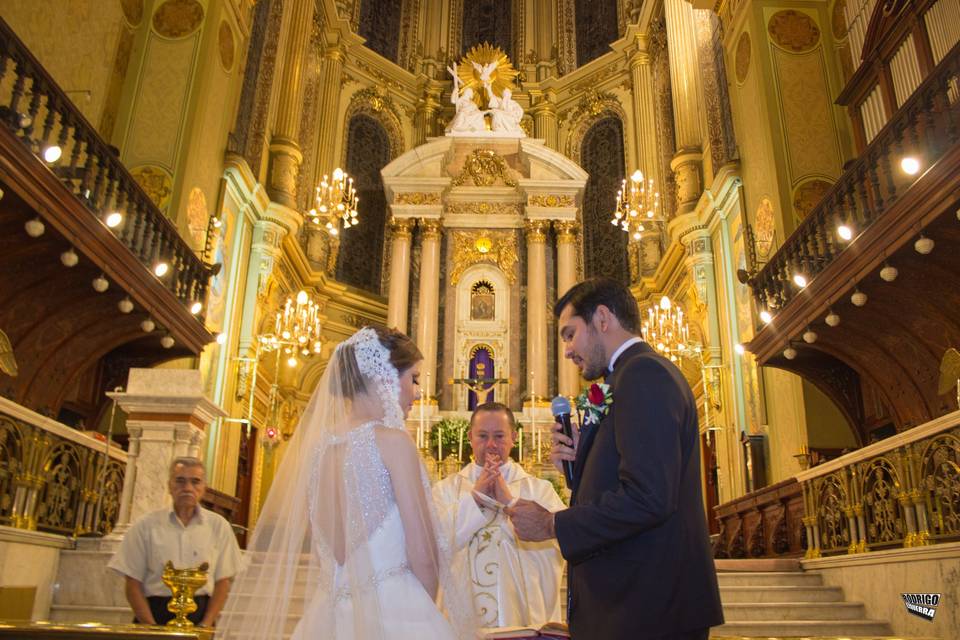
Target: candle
{"type": "Point", "coordinates": [520, 448]}
{"type": "Point", "coordinates": [460, 446]}
{"type": "Point", "coordinates": [439, 443]}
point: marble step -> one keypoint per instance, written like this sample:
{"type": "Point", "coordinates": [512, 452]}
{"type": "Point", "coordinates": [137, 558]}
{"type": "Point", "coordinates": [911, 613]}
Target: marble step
{"type": "Point", "coordinates": [80, 613]}
{"type": "Point", "coordinates": [780, 594]}
{"type": "Point", "coordinates": [803, 628]}
{"type": "Point", "coordinates": [771, 578]}
{"type": "Point", "coordinates": [756, 611]}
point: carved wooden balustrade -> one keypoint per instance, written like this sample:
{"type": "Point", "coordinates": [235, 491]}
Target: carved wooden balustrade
{"type": "Point", "coordinates": [40, 115]}
{"type": "Point", "coordinates": [925, 127]}
{"type": "Point", "coordinates": [900, 492]}
{"type": "Point", "coordinates": [55, 479]}
{"type": "Point", "coordinates": [763, 524]}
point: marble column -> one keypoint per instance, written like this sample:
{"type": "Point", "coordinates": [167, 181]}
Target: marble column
{"type": "Point", "coordinates": [685, 87]}
{"type": "Point", "coordinates": [537, 307]}
{"type": "Point", "coordinates": [566, 230]}
{"type": "Point", "coordinates": [399, 294]}
{"type": "Point", "coordinates": [285, 155]}
{"type": "Point", "coordinates": [166, 416]}
{"type": "Point", "coordinates": [429, 310]}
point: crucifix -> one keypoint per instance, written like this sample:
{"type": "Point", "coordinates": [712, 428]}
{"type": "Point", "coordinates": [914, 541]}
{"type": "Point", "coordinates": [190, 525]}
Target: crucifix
{"type": "Point", "coordinates": [481, 386]}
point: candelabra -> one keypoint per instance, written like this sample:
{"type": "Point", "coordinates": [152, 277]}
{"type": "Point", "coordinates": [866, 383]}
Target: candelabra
{"type": "Point", "coordinates": [336, 200]}
{"type": "Point", "coordinates": [636, 205]}
{"type": "Point", "coordinates": [665, 329]}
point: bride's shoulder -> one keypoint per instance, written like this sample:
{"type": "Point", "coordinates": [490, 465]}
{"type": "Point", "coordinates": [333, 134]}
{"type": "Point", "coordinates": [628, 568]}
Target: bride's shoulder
{"type": "Point", "coordinates": [389, 436]}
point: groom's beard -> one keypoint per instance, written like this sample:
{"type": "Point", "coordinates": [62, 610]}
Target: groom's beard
{"type": "Point", "coordinates": [595, 364]}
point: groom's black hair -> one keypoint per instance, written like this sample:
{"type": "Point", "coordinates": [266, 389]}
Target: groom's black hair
{"type": "Point", "coordinates": [586, 296]}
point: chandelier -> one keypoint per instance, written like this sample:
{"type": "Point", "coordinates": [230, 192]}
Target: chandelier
{"type": "Point", "coordinates": [296, 329]}
{"type": "Point", "coordinates": [637, 205]}
{"type": "Point", "coordinates": [666, 330]}
{"type": "Point", "coordinates": [336, 200]}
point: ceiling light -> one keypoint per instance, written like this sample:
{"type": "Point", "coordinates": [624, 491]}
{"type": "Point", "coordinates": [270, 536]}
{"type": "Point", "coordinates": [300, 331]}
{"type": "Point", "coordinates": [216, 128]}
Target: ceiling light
{"type": "Point", "coordinates": [889, 273]}
{"type": "Point", "coordinates": [832, 319]}
{"type": "Point", "coordinates": [100, 284]}
{"type": "Point", "coordinates": [166, 341]}
{"type": "Point", "coordinates": [789, 353]}
{"type": "Point", "coordinates": [114, 219]}
{"type": "Point", "coordinates": [221, 338]}
{"type": "Point", "coordinates": [69, 258]}
{"type": "Point", "coordinates": [739, 349]}
{"type": "Point", "coordinates": [910, 165]}
{"type": "Point", "coordinates": [800, 280]}
{"type": "Point", "coordinates": [160, 269]}
{"type": "Point", "coordinates": [845, 232]}
{"type": "Point", "coordinates": [859, 298]}
{"type": "Point", "coordinates": [809, 336]}
{"type": "Point", "coordinates": [34, 228]}
{"type": "Point", "coordinates": [148, 325]}
{"type": "Point", "coordinates": [196, 307]}
{"type": "Point", "coordinates": [125, 305]}
{"type": "Point", "coordinates": [766, 317]}
{"type": "Point", "coordinates": [52, 153]}
{"type": "Point", "coordinates": [923, 245]}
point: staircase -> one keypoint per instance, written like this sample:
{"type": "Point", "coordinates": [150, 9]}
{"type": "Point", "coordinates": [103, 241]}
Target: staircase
{"type": "Point", "coordinates": [769, 598]}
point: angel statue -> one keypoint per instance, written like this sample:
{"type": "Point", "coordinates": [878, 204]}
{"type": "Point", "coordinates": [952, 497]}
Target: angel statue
{"type": "Point", "coordinates": [468, 117]}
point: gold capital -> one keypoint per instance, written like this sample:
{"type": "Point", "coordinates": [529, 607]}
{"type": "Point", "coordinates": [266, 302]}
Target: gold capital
{"type": "Point", "coordinates": [430, 227]}
{"type": "Point", "coordinates": [536, 231]}
{"type": "Point", "coordinates": [401, 227]}
{"type": "Point", "coordinates": [566, 231]}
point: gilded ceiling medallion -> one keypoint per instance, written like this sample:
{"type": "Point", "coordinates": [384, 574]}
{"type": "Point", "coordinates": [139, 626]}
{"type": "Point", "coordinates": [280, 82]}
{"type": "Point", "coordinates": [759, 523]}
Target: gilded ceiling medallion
{"type": "Point", "coordinates": [132, 11]}
{"type": "Point", "coordinates": [493, 64]}
{"type": "Point", "coordinates": [225, 40]}
{"type": "Point", "coordinates": [742, 61]}
{"type": "Point", "coordinates": [793, 31]}
{"type": "Point", "coordinates": [178, 18]}
{"type": "Point", "coordinates": [808, 195]}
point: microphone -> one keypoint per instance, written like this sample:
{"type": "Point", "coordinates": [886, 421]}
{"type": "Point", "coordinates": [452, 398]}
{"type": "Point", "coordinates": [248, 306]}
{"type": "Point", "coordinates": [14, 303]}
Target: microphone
{"type": "Point", "coordinates": [560, 407]}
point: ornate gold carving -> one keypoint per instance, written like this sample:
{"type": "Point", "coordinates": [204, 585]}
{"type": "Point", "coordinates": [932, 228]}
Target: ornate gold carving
{"type": "Point", "coordinates": [764, 229]}
{"type": "Point", "coordinates": [382, 80]}
{"type": "Point", "coordinates": [485, 167]}
{"type": "Point", "coordinates": [225, 42]}
{"type": "Point", "coordinates": [807, 196]}
{"type": "Point", "coordinates": [742, 60]}
{"type": "Point", "coordinates": [502, 252]}
{"type": "Point", "coordinates": [483, 208]}
{"type": "Point", "coordinates": [178, 18]}
{"type": "Point", "coordinates": [502, 74]}
{"type": "Point", "coordinates": [377, 103]}
{"type": "Point", "coordinates": [156, 182]}
{"type": "Point", "coordinates": [430, 228]}
{"type": "Point", "coordinates": [566, 231]}
{"type": "Point", "coordinates": [592, 107]}
{"type": "Point", "coordinates": [596, 78]}
{"type": "Point", "coordinates": [8, 363]}
{"type": "Point", "coordinates": [545, 200]}
{"type": "Point", "coordinates": [793, 31]}
{"type": "Point", "coordinates": [536, 231]}
{"type": "Point", "coordinates": [132, 11]}
{"type": "Point", "coordinates": [401, 227]}
{"type": "Point", "coordinates": [418, 197]}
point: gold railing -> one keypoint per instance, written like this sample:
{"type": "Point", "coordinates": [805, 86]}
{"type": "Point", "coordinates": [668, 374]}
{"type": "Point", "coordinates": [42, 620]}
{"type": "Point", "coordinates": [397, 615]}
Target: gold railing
{"type": "Point", "coordinates": [52, 479]}
{"type": "Point", "coordinates": [901, 492]}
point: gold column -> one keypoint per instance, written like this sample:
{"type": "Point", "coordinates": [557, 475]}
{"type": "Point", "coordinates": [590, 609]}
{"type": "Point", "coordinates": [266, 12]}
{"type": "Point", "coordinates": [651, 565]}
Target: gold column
{"type": "Point", "coordinates": [567, 374]}
{"type": "Point", "coordinates": [545, 120]}
{"type": "Point", "coordinates": [644, 115]}
{"type": "Point", "coordinates": [330, 91]}
{"type": "Point", "coordinates": [285, 156]}
{"type": "Point", "coordinates": [429, 303]}
{"type": "Point", "coordinates": [426, 115]}
{"type": "Point", "coordinates": [399, 296]}
{"type": "Point", "coordinates": [685, 87]}
{"type": "Point", "coordinates": [537, 306]}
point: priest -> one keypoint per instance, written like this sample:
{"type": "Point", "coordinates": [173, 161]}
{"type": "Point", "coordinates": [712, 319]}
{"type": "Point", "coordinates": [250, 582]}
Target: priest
{"type": "Point", "coordinates": [515, 583]}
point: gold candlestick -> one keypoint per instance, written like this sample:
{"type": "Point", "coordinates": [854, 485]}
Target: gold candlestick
{"type": "Point", "coordinates": [183, 583]}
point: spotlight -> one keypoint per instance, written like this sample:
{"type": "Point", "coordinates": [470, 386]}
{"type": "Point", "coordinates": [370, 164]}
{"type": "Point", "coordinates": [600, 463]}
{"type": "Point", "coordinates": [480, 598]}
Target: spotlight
{"type": "Point", "coordinates": [800, 280]}
{"type": "Point", "coordinates": [114, 219]}
{"type": "Point", "coordinates": [160, 269]}
{"type": "Point", "coordinates": [34, 228]}
{"type": "Point", "coordinates": [910, 165]}
{"type": "Point", "coordinates": [69, 258]}
{"type": "Point", "coordinates": [100, 284]}
{"type": "Point", "coordinates": [739, 349]}
{"type": "Point", "coordinates": [845, 232]}
{"type": "Point", "coordinates": [766, 317]}
{"type": "Point", "coordinates": [52, 153]}
{"type": "Point", "coordinates": [196, 307]}
{"type": "Point", "coordinates": [125, 305]}
{"type": "Point", "coordinates": [221, 338]}
{"type": "Point", "coordinates": [166, 342]}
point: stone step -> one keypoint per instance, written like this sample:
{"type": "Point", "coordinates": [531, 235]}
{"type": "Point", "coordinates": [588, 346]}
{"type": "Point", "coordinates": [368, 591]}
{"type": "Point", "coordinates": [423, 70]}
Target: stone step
{"type": "Point", "coordinates": [803, 628]}
{"type": "Point", "coordinates": [90, 613]}
{"type": "Point", "coordinates": [757, 564]}
{"type": "Point", "coordinates": [756, 611]}
{"type": "Point", "coordinates": [780, 594]}
{"type": "Point", "coordinates": [771, 578]}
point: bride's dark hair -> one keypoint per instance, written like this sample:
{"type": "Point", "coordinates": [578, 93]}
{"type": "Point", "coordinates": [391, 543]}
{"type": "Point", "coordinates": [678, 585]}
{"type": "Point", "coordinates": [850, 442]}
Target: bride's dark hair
{"type": "Point", "coordinates": [404, 353]}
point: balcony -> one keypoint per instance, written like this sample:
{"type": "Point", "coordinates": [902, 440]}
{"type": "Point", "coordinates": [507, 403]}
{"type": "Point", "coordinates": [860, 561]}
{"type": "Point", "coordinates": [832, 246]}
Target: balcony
{"type": "Point", "coordinates": [888, 345]}
{"type": "Point", "coordinates": [66, 330]}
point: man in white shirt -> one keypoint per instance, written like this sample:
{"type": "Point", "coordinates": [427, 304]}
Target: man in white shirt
{"type": "Point", "coordinates": [514, 583]}
{"type": "Point", "coordinates": [186, 534]}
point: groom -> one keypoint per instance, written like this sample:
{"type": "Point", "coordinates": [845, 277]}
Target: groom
{"type": "Point", "coordinates": [635, 535]}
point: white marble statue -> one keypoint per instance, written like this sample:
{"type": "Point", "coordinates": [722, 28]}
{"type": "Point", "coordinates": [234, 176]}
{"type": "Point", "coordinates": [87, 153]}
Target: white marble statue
{"type": "Point", "coordinates": [469, 117]}
{"type": "Point", "coordinates": [505, 113]}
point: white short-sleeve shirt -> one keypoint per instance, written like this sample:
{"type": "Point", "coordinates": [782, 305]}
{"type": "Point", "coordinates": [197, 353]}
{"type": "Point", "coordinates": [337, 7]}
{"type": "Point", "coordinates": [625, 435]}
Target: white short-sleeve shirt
{"type": "Point", "coordinates": [160, 536]}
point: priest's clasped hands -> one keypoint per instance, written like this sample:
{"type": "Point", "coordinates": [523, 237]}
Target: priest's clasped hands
{"type": "Point", "coordinates": [531, 521]}
{"type": "Point", "coordinates": [491, 483]}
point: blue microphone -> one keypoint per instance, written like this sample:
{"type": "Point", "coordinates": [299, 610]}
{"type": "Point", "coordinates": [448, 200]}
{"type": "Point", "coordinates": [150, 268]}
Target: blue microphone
{"type": "Point", "coordinates": [560, 408]}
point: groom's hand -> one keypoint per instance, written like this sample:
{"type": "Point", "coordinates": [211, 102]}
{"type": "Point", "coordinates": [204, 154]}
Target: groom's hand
{"type": "Point", "coordinates": [563, 448]}
{"type": "Point", "coordinates": [531, 521]}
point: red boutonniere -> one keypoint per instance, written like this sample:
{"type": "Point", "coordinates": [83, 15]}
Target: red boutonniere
{"type": "Point", "coordinates": [595, 402]}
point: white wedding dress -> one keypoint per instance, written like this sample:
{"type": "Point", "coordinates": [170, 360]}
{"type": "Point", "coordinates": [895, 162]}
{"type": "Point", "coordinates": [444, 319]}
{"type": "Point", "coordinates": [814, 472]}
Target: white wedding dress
{"type": "Point", "coordinates": [405, 608]}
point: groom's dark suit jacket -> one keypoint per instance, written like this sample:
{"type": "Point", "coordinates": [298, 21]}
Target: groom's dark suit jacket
{"type": "Point", "coordinates": [635, 535]}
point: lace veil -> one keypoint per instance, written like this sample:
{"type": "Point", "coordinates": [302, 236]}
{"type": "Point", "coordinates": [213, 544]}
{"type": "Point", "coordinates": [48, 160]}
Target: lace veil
{"type": "Point", "coordinates": [319, 538]}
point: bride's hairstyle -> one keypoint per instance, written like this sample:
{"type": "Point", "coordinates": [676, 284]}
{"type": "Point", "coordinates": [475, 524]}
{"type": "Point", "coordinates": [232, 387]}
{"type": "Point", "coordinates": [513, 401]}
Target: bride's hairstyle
{"type": "Point", "coordinates": [403, 351]}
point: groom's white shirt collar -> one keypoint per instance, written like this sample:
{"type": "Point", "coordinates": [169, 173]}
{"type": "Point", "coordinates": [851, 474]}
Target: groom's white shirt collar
{"type": "Point", "coordinates": [626, 345]}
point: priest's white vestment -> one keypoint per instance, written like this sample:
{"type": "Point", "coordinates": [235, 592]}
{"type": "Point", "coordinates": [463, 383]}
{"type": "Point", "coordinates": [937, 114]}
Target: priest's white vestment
{"type": "Point", "coordinates": [515, 583]}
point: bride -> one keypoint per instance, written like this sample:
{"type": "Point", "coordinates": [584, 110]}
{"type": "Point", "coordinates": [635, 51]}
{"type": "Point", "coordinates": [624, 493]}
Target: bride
{"type": "Point", "coordinates": [347, 545]}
